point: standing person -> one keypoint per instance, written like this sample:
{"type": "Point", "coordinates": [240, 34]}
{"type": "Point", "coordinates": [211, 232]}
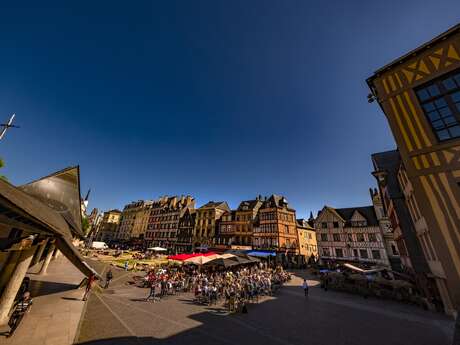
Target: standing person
{"type": "Point", "coordinates": [89, 285]}
{"type": "Point", "coordinates": [126, 265]}
{"type": "Point", "coordinates": [108, 278]}
{"type": "Point", "coordinates": [152, 291]}
{"type": "Point", "coordinates": [305, 287]}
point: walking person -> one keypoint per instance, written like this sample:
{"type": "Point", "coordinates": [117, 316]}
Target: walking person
{"type": "Point", "coordinates": [126, 265]}
{"type": "Point", "coordinates": [108, 278]}
{"type": "Point", "coordinates": [305, 287]}
{"type": "Point", "coordinates": [89, 285]}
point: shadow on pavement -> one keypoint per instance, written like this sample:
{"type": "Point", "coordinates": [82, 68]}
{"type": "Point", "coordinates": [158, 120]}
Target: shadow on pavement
{"type": "Point", "coordinates": [287, 318]}
{"type": "Point", "coordinates": [71, 298]}
{"type": "Point", "coordinates": [43, 288]}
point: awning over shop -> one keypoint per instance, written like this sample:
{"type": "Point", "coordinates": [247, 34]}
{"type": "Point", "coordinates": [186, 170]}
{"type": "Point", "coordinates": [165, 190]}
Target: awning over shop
{"type": "Point", "coordinates": [219, 261]}
{"type": "Point", "coordinates": [183, 257]}
{"type": "Point", "coordinates": [263, 254]}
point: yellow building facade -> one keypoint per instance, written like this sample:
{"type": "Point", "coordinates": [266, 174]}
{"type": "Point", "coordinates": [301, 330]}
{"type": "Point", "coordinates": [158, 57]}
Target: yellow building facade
{"type": "Point", "coordinates": [420, 96]}
{"type": "Point", "coordinates": [308, 246]}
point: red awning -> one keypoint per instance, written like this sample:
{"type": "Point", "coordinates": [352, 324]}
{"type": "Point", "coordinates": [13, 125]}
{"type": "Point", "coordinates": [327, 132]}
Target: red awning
{"type": "Point", "coordinates": [182, 257]}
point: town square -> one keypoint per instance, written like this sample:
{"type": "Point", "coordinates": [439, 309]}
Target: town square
{"type": "Point", "coordinates": [216, 172]}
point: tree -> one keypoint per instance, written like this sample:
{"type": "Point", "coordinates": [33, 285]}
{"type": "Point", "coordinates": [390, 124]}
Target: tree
{"type": "Point", "coordinates": [85, 225]}
{"type": "Point", "coordinates": [2, 164]}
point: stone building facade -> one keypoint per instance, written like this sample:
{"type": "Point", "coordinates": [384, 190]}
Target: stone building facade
{"type": "Point", "coordinates": [108, 226]}
{"type": "Point", "coordinates": [141, 219]}
{"type": "Point", "coordinates": [165, 216]}
{"type": "Point", "coordinates": [308, 245]}
{"type": "Point", "coordinates": [207, 222]}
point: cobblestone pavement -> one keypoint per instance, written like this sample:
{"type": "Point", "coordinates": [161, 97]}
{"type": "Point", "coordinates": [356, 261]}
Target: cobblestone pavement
{"type": "Point", "coordinates": [120, 316]}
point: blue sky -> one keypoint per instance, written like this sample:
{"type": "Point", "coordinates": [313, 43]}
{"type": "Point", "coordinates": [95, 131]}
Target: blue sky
{"type": "Point", "coordinates": [223, 100]}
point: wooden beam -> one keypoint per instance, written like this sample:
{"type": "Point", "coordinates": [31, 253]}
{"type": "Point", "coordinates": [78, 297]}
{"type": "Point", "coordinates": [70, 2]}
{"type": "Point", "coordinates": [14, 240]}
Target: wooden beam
{"type": "Point", "coordinates": [19, 225]}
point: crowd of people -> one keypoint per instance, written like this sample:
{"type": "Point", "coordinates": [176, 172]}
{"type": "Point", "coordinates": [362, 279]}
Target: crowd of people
{"type": "Point", "coordinates": [235, 286]}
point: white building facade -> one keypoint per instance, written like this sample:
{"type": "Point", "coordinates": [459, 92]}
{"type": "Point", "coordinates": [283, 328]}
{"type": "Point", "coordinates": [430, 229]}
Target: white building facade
{"type": "Point", "coordinates": [354, 235]}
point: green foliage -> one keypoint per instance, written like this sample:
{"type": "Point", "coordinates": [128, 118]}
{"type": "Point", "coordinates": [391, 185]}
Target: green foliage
{"type": "Point", "coordinates": [85, 225]}
{"type": "Point", "coordinates": [2, 164]}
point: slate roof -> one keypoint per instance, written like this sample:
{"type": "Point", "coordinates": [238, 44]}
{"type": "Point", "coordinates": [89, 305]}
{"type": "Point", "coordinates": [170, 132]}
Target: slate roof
{"type": "Point", "coordinates": [113, 211]}
{"type": "Point", "coordinates": [367, 212]}
{"type": "Point", "coordinates": [303, 223]}
{"type": "Point", "coordinates": [276, 200]}
{"type": "Point", "coordinates": [216, 204]}
{"type": "Point", "coordinates": [389, 161]}
{"type": "Point", "coordinates": [251, 204]}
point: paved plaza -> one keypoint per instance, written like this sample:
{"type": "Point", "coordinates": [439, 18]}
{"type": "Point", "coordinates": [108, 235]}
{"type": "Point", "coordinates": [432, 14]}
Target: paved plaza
{"type": "Point", "coordinates": [120, 316]}
{"type": "Point", "coordinates": [56, 310]}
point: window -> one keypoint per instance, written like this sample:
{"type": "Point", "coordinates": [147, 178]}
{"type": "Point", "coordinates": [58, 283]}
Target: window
{"type": "Point", "coordinates": [324, 225]}
{"type": "Point", "coordinates": [336, 237]}
{"type": "Point", "coordinates": [363, 253]}
{"type": "Point", "coordinates": [440, 100]}
{"type": "Point", "coordinates": [339, 252]}
{"type": "Point", "coordinates": [350, 237]}
{"type": "Point", "coordinates": [355, 253]}
{"type": "Point", "coordinates": [335, 224]}
{"type": "Point", "coordinates": [323, 237]}
{"type": "Point", "coordinates": [372, 237]}
{"type": "Point", "coordinates": [326, 252]}
{"type": "Point", "coordinates": [360, 237]}
{"type": "Point", "coordinates": [394, 250]}
{"type": "Point", "coordinates": [376, 254]}
{"type": "Point", "coordinates": [357, 223]}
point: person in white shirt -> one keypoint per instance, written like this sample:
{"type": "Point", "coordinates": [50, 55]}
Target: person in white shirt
{"type": "Point", "coordinates": [305, 287]}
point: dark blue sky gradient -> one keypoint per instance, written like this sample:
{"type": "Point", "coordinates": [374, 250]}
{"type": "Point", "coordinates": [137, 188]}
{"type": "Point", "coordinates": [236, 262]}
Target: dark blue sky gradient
{"type": "Point", "coordinates": [223, 100]}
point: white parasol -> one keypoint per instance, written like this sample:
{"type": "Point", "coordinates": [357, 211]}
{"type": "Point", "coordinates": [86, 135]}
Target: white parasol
{"type": "Point", "coordinates": [157, 249]}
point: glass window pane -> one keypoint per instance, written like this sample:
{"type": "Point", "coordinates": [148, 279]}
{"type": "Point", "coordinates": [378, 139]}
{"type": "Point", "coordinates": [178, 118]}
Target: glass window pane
{"type": "Point", "coordinates": [443, 135]}
{"type": "Point", "coordinates": [457, 78]}
{"type": "Point", "coordinates": [449, 84]}
{"type": "Point", "coordinates": [445, 112]}
{"type": "Point", "coordinates": [454, 131]}
{"type": "Point", "coordinates": [434, 115]}
{"type": "Point", "coordinates": [438, 124]}
{"type": "Point", "coordinates": [433, 90]}
{"type": "Point", "coordinates": [429, 106]}
{"type": "Point", "coordinates": [449, 120]}
{"type": "Point", "coordinates": [440, 103]}
{"type": "Point", "coordinates": [423, 94]}
{"type": "Point", "coordinates": [456, 96]}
